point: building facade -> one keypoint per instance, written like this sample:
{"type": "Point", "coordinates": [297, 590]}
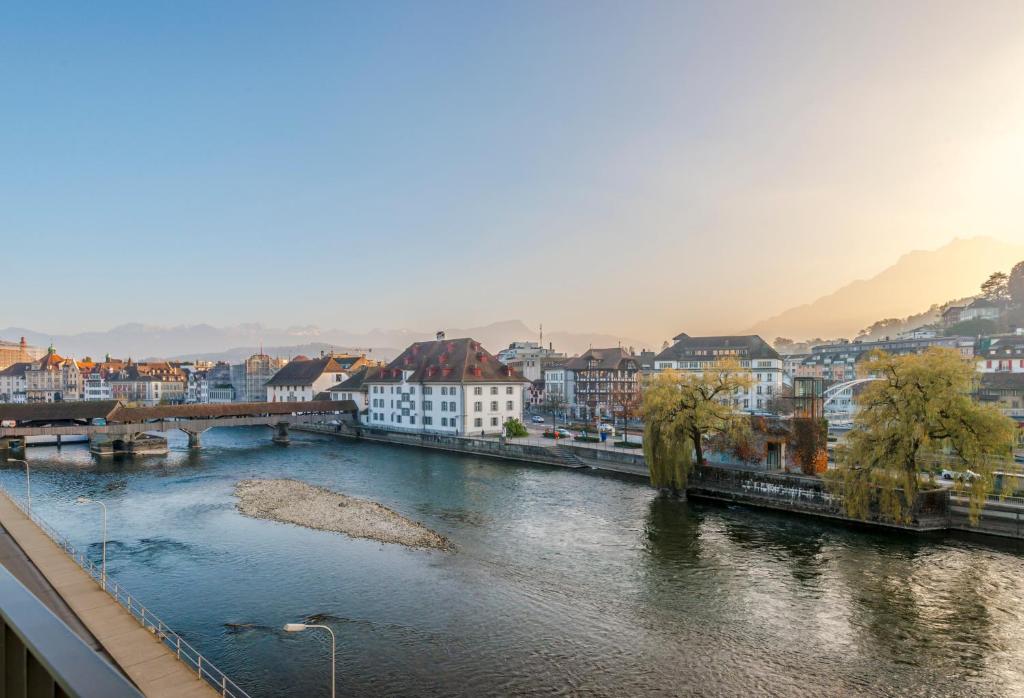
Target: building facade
{"type": "Point", "coordinates": [445, 386]}
{"type": "Point", "coordinates": [18, 352]}
{"type": "Point", "coordinates": [755, 357]}
{"type": "Point", "coordinates": [303, 380]}
{"type": "Point", "coordinates": [606, 383]}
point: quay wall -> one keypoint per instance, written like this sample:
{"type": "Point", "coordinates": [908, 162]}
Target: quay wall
{"type": "Point", "coordinates": [935, 511]}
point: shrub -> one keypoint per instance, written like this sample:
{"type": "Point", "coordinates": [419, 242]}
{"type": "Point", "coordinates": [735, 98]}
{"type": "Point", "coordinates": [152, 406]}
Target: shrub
{"type": "Point", "coordinates": [514, 428]}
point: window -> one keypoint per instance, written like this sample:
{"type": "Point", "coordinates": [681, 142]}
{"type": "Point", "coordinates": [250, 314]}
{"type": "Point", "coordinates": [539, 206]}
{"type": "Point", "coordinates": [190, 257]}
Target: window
{"type": "Point", "coordinates": [494, 421]}
{"type": "Point", "coordinates": [508, 390]}
{"type": "Point", "coordinates": [412, 390]}
{"type": "Point", "coordinates": [509, 405]}
{"type": "Point", "coordinates": [478, 422]}
{"type": "Point", "coordinates": [494, 406]}
{"type": "Point", "coordinates": [427, 421]}
{"type": "Point", "coordinates": [427, 390]}
{"type": "Point", "coordinates": [444, 390]}
{"type": "Point", "coordinates": [451, 407]}
{"type": "Point", "coordinates": [478, 406]}
{"type": "Point", "coordinates": [412, 419]}
{"type": "Point", "coordinates": [494, 390]}
{"type": "Point", "coordinates": [480, 391]}
{"type": "Point", "coordinates": [444, 406]}
{"type": "Point", "coordinates": [428, 405]}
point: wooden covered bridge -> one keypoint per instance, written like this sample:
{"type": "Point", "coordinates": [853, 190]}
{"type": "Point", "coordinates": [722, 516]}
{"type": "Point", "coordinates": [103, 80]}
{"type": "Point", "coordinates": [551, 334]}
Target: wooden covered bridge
{"type": "Point", "coordinates": [123, 424]}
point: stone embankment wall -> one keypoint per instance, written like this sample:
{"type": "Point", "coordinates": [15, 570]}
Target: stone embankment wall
{"type": "Point", "coordinates": [933, 512]}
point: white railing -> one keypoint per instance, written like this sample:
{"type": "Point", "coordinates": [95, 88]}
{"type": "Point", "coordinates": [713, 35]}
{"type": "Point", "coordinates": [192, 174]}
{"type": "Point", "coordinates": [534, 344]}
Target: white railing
{"type": "Point", "coordinates": [185, 652]}
{"type": "Point", "coordinates": [998, 499]}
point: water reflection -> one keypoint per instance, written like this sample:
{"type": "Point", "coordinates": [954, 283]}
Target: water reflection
{"type": "Point", "coordinates": [562, 583]}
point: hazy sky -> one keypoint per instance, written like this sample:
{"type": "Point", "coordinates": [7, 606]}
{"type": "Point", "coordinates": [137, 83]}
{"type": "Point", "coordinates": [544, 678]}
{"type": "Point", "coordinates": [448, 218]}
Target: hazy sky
{"type": "Point", "coordinates": [634, 167]}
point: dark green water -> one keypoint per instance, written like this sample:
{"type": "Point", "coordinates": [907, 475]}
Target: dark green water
{"type": "Point", "coordinates": [563, 583]}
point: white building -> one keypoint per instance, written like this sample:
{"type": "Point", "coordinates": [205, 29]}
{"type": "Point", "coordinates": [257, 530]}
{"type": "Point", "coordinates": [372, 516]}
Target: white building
{"type": "Point", "coordinates": [302, 379]}
{"type": "Point", "coordinates": [97, 388]}
{"type": "Point", "coordinates": [559, 385]}
{"type": "Point", "coordinates": [354, 389]}
{"type": "Point", "coordinates": [754, 355]}
{"type": "Point", "coordinates": [1004, 354]}
{"type": "Point", "coordinates": [445, 386]}
{"type": "Point", "coordinates": [981, 309]}
{"type": "Point", "coordinates": [528, 359]}
{"type": "Point", "coordinates": [13, 385]}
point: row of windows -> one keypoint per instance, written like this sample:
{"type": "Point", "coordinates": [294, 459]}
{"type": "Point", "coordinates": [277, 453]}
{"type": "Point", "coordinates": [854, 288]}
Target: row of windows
{"type": "Point", "coordinates": [479, 406]}
{"type": "Point", "coordinates": [445, 390]}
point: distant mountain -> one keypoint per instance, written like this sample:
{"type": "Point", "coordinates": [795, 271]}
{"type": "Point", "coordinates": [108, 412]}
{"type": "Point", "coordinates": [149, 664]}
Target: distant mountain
{"type": "Point", "coordinates": [917, 280]}
{"type": "Point", "coordinates": [141, 341]}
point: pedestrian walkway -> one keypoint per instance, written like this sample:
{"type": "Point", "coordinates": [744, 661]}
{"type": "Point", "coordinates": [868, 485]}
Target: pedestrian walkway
{"type": "Point", "coordinates": [144, 658]}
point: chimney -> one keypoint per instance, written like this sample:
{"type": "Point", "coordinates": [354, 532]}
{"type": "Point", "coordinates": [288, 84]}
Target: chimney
{"type": "Point", "coordinates": [440, 335]}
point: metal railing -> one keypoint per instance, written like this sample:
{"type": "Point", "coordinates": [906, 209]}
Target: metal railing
{"type": "Point", "coordinates": [44, 657]}
{"type": "Point", "coordinates": [996, 498]}
{"type": "Point", "coordinates": [186, 653]}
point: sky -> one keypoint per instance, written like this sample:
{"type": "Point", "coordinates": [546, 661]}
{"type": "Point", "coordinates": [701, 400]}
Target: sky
{"type": "Point", "coordinates": [640, 168]}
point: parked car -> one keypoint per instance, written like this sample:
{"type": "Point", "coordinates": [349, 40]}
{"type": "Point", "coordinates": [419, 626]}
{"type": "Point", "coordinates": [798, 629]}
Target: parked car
{"type": "Point", "coordinates": [607, 429]}
{"type": "Point", "coordinates": [537, 419]}
{"type": "Point", "coordinates": [559, 433]}
{"type": "Point", "coordinates": [967, 475]}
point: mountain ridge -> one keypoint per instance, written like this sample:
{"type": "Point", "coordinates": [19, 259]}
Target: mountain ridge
{"type": "Point", "coordinates": [140, 340]}
{"type": "Point", "coordinates": [918, 279]}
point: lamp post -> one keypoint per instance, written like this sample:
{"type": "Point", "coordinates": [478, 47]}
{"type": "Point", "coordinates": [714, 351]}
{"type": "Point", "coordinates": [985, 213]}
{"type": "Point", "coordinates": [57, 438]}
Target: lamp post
{"type": "Point", "coordinates": [299, 627]}
{"type": "Point", "coordinates": [28, 481]}
{"type": "Point", "coordinates": [103, 569]}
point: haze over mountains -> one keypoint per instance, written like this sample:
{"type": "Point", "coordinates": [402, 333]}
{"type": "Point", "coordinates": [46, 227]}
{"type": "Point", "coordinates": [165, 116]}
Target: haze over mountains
{"type": "Point", "coordinates": [910, 286]}
{"type": "Point", "coordinates": [141, 341]}
{"type": "Point", "coordinates": [913, 284]}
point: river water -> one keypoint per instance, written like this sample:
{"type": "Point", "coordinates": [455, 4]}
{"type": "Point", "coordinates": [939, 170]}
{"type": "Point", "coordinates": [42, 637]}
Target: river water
{"type": "Point", "coordinates": [562, 582]}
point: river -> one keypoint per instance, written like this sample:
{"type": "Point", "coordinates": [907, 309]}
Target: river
{"type": "Point", "coordinates": [562, 582]}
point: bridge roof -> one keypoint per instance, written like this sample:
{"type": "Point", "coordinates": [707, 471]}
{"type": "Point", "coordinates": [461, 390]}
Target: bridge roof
{"type": "Point", "coordinates": [113, 411]}
{"type": "Point", "coordinates": [230, 409]}
{"type": "Point", "coordinates": [59, 411]}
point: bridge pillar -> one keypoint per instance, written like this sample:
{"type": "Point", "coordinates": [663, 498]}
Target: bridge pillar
{"type": "Point", "coordinates": [194, 438]}
{"type": "Point", "coordinates": [281, 433]}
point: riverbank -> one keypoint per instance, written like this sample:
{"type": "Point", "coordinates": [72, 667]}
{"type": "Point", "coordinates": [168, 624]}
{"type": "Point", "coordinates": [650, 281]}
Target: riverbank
{"type": "Point", "coordinates": [291, 501]}
{"type": "Point", "coordinates": [730, 484]}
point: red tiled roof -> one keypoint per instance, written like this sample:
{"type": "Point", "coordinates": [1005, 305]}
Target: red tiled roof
{"type": "Point", "coordinates": [446, 361]}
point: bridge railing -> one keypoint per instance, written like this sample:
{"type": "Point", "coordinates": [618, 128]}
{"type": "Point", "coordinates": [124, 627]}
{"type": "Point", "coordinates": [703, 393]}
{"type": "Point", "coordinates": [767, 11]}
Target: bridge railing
{"type": "Point", "coordinates": [204, 668]}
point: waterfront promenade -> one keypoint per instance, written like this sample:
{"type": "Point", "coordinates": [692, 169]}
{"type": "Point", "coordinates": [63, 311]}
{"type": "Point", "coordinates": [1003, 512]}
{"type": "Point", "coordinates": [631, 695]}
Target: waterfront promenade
{"type": "Point", "coordinates": [135, 650]}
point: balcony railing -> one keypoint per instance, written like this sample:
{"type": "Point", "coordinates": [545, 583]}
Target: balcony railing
{"type": "Point", "coordinates": [185, 652]}
{"type": "Point", "coordinates": [44, 657]}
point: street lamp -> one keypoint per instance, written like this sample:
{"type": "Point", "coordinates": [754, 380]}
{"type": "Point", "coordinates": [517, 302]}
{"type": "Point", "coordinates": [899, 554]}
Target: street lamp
{"type": "Point", "coordinates": [28, 481]}
{"type": "Point", "coordinates": [299, 627]}
{"type": "Point", "coordinates": [103, 569]}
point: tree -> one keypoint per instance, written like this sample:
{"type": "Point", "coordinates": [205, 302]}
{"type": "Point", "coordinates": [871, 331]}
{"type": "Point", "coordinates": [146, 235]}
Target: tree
{"type": "Point", "coordinates": [996, 288]}
{"type": "Point", "coordinates": [554, 403]}
{"type": "Point", "coordinates": [1015, 284]}
{"type": "Point", "coordinates": [629, 405]}
{"type": "Point", "coordinates": [515, 428]}
{"type": "Point", "coordinates": [681, 410]}
{"type": "Point", "coordinates": [920, 403]}
{"type": "Point", "coordinates": [973, 328]}
{"type": "Point", "coordinates": [808, 440]}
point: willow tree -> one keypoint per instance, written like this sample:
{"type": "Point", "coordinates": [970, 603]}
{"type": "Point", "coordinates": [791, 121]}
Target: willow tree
{"type": "Point", "coordinates": [920, 404]}
{"type": "Point", "coordinates": [682, 410]}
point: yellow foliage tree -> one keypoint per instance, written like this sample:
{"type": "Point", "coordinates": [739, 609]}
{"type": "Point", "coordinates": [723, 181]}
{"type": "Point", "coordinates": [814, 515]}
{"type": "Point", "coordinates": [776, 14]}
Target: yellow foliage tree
{"type": "Point", "coordinates": [682, 410]}
{"type": "Point", "coordinates": [920, 404]}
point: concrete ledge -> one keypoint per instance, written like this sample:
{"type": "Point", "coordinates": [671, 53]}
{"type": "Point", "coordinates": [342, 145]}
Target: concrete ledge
{"type": "Point", "coordinates": [133, 648]}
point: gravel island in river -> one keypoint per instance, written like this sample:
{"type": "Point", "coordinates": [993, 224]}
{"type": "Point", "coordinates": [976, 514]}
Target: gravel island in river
{"type": "Point", "coordinates": [292, 501]}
